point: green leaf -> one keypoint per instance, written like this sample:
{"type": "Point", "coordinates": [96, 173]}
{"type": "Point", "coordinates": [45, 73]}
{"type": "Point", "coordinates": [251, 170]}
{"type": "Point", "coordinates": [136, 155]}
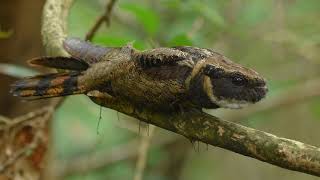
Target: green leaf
{"type": "Point", "coordinates": [82, 16]}
{"type": "Point", "coordinates": [315, 107]}
{"type": "Point", "coordinates": [146, 16]}
{"type": "Point", "coordinates": [173, 4]}
{"type": "Point", "coordinates": [117, 41]}
{"type": "Point", "coordinates": [180, 40]}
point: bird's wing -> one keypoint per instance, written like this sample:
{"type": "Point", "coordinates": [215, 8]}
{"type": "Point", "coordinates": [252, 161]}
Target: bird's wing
{"type": "Point", "coordinates": [85, 51]}
{"type": "Point", "coordinates": [68, 63]}
{"type": "Point", "coordinates": [159, 57]}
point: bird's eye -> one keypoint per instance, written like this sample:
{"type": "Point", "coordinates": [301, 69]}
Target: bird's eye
{"type": "Point", "coordinates": [239, 81]}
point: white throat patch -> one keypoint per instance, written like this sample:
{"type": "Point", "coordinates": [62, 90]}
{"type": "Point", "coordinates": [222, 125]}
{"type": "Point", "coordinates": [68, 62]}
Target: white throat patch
{"type": "Point", "coordinates": [231, 103]}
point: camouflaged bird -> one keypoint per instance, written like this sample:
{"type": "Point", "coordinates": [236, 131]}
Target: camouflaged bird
{"type": "Point", "coordinates": [160, 78]}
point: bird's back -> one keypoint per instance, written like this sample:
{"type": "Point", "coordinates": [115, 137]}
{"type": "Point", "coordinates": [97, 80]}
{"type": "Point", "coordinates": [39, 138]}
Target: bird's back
{"type": "Point", "coordinates": [155, 86]}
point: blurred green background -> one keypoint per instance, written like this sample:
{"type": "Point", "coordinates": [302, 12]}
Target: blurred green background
{"type": "Point", "coordinates": [278, 38]}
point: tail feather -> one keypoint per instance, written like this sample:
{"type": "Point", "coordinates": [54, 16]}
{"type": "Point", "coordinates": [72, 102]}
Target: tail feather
{"type": "Point", "coordinates": [50, 85]}
{"type": "Point", "coordinates": [69, 63]}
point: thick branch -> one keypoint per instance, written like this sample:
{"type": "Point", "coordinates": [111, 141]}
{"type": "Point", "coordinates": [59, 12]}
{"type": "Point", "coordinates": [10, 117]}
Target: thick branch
{"type": "Point", "coordinates": [54, 31]}
{"type": "Point", "coordinates": [199, 126]}
{"type": "Point", "coordinates": [54, 26]}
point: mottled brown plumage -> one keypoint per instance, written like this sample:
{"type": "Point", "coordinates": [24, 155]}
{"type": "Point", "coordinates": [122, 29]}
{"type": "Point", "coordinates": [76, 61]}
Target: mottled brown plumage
{"type": "Point", "coordinates": [161, 78]}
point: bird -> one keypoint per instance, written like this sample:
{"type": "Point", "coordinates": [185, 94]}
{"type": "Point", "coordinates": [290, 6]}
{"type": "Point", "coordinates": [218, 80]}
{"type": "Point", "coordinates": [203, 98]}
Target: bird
{"type": "Point", "coordinates": [161, 78]}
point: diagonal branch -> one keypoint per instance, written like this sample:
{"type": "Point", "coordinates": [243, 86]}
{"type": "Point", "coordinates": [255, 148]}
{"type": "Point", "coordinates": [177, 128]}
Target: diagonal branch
{"type": "Point", "coordinates": [105, 17]}
{"type": "Point", "coordinates": [197, 125]}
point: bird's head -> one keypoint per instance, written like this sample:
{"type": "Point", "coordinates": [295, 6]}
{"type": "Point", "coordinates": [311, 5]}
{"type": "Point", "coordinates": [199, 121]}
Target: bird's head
{"type": "Point", "coordinates": [230, 85]}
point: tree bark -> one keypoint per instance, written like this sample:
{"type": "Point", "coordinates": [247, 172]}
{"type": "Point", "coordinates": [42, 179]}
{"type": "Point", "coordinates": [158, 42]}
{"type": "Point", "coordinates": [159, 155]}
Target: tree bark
{"type": "Point", "coordinates": [199, 126]}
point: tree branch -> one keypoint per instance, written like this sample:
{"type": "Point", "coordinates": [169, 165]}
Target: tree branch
{"type": "Point", "coordinates": [105, 17]}
{"type": "Point", "coordinates": [21, 153]}
{"type": "Point", "coordinates": [54, 26]}
{"type": "Point", "coordinates": [16, 151]}
{"type": "Point", "coordinates": [199, 126]}
{"type": "Point", "coordinates": [54, 31]}
{"type": "Point", "coordinates": [193, 124]}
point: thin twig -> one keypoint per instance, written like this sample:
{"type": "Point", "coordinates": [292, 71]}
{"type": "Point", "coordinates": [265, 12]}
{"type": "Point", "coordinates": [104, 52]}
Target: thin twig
{"type": "Point", "coordinates": [143, 152]}
{"type": "Point", "coordinates": [109, 8]}
{"type": "Point", "coordinates": [4, 120]}
{"type": "Point", "coordinates": [95, 27]}
{"type": "Point", "coordinates": [29, 119]}
{"type": "Point", "coordinates": [105, 17]}
{"type": "Point", "coordinates": [31, 115]}
{"type": "Point", "coordinates": [20, 154]}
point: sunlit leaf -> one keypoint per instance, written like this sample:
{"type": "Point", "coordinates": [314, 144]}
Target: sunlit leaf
{"type": "Point", "coordinates": [180, 40]}
{"type": "Point", "coordinates": [146, 16]}
{"type": "Point", "coordinates": [117, 41]}
{"type": "Point", "coordinates": [83, 16]}
{"type": "Point", "coordinates": [174, 4]}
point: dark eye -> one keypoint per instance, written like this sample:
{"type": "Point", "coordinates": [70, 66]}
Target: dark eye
{"type": "Point", "coordinates": [239, 81]}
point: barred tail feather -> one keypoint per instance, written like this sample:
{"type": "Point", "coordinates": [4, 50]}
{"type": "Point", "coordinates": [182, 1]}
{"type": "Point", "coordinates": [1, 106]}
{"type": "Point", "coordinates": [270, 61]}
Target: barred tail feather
{"type": "Point", "coordinates": [50, 85]}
